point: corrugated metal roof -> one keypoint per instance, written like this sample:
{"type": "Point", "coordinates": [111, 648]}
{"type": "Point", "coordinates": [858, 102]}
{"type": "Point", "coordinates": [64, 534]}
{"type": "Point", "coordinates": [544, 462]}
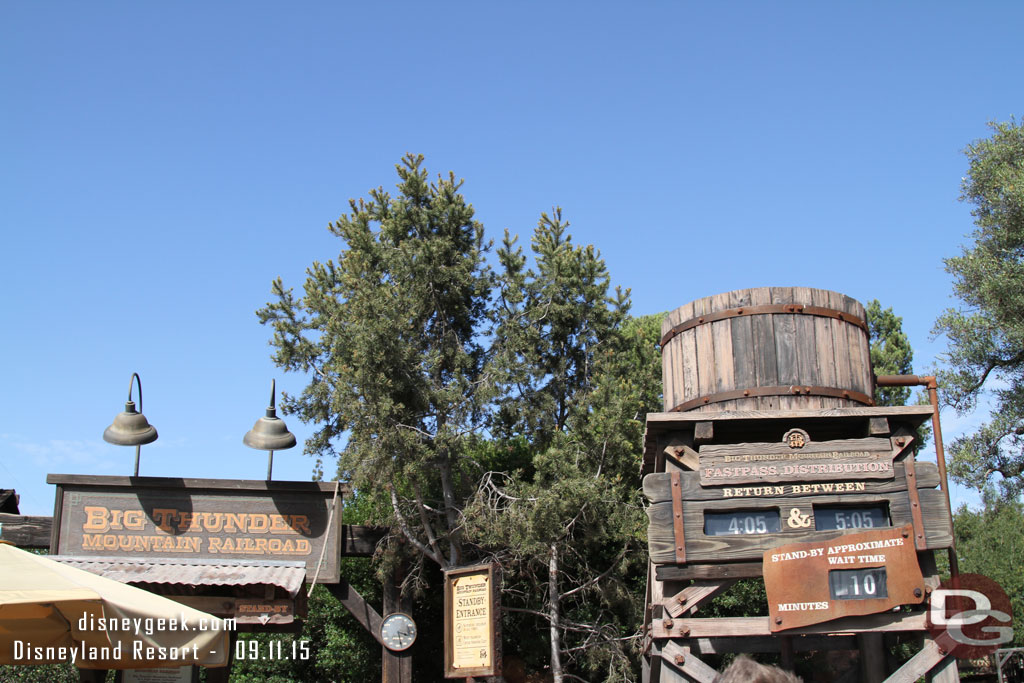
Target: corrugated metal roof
{"type": "Point", "coordinates": [193, 572]}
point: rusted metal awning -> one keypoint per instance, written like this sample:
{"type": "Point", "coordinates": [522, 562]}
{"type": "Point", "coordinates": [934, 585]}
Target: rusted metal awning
{"type": "Point", "coordinates": [288, 575]}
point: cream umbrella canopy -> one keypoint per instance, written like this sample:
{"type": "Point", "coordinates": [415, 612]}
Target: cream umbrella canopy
{"type": "Point", "coordinates": [50, 612]}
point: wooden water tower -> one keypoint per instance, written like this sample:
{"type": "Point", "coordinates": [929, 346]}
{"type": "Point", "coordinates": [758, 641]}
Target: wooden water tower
{"type": "Point", "coordinates": [772, 462]}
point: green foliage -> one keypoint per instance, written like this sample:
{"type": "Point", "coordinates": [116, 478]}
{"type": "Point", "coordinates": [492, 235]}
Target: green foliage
{"type": "Point", "coordinates": [890, 352]}
{"type": "Point", "coordinates": [576, 377]}
{"type": "Point", "coordinates": [991, 542]}
{"type": "Point", "coordinates": [985, 352]}
{"type": "Point", "coordinates": [391, 337]}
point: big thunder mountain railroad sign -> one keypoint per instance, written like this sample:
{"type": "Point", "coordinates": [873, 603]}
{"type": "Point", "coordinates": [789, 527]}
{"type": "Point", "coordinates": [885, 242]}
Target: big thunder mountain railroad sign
{"type": "Point", "coordinates": [211, 519]}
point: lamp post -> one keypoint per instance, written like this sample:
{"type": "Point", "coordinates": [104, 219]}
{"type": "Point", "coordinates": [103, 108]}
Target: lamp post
{"type": "Point", "coordinates": [131, 428]}
{"type": "Point", "coordinates": [269, 433]}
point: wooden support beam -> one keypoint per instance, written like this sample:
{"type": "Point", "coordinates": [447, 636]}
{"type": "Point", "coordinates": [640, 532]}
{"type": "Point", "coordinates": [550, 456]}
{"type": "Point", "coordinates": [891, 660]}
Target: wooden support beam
{"type": "Point", "coordinates": [396, 666]}
{"type": "Point", "coordinates": [733, 570]}
{"type": "Point", "coordinates": [692, 596]}
{"type": "Point", "coordinates": [770, 644]}
{"type": "Point", "coordinates": [682, 658]}
{"type": "Point", "coordinates": [761, 626]}
{"type": "Point", "coordinates": [878, 426]}
{"type": "Point", "coordinates": [25, 531]}
{"type": "Point", "coordinates": [360, 541]}
{"type": "Point", "coordinates": [703, 432]}
{"type": "Point", "coordinates": [364, 613]}
{"type": "Point", "coordinates": [918, 665]}
{"type": "Point", "coordinates": [872, 657]}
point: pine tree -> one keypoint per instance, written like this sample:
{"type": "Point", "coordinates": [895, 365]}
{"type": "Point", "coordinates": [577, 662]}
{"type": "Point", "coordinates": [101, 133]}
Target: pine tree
{"type": "Point", "coordinates": [390, 336]}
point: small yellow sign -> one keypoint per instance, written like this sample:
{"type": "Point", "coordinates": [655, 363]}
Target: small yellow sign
{"type": "Point", "coordinates": [471, 622]}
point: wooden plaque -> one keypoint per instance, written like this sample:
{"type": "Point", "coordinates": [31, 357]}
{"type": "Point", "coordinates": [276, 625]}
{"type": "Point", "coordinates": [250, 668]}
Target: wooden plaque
{"type": "Point", "coordinates": [778, 462]}
{"type": "Point", "coordinates": [472, 621]}
{"type": "Point", "coordinates": [803, 511]}
{"type": "Point", "coordinates": [855, 574]}
{"type": "Point", "coordinates": [156, 517]}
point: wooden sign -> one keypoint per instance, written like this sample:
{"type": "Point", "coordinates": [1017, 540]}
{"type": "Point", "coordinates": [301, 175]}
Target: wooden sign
{"type": "Point", "coordinates": [855, 574]}
{"type": "Point", "coordinates": [726, 524]}
{"type": "Point", "coordinates": [841, 459]}
{"type": "Point", "coordinates": [159, 517]}
{"type": "Point", "coordinates": [472, 628]}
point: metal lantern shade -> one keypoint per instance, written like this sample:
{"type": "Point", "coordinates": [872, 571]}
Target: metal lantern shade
{"type": "Point", "coordinates": [269, 433]}
{"type": "Point", "coordinates": [130, 428]}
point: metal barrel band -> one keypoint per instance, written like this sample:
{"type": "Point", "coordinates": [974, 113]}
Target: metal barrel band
{"type": "Point", "coordinates": [765, 309]}
{"type": "Point", "coordinates": [791, 390]}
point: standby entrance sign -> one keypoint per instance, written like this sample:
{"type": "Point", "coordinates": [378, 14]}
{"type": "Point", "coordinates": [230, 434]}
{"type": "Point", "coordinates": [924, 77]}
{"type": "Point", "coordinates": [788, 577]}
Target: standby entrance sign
{"type": "Point", "coordinates": [472, 610]}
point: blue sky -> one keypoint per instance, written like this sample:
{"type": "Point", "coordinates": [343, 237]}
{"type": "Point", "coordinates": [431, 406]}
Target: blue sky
{"type": "Point", "coordinates": [164, 162]}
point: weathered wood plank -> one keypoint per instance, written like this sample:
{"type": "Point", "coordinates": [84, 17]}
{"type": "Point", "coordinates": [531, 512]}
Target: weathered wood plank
{"type": "Point", "coordinates": [786, 348]}
{"type": "Point", "coordinates": [865, 444]}
{"type": "Point", "coordinates": [706, 359]}
{"type": "Point", "coordinates": [716, 572]}
{"type": "Point", "coordinates": [765, 365]}
{"type": "Point", "coordinates": [178, 483]}
{"type": "Point", "coordinates": [26, 531]}
{"type": "Point", "coordinates": [688, 362]}
{"type": "Point", "coordinates": [841, 343]}
{"type": "Point", "coordinates": [886, 622]}
{"type": "Point", "coordinates": [743, 350]}
{"type": "Point", "coordinates": [691, 597]}
{"type": "Point", "coordinates": [825, 347]}
{"type": "Point", "coordinates": [702, 548]}
{"type": "Point", "coordinates": [359, 540]}
{"type": "Point", "coordinates": [806, 349]}
{"type": "Point", "coordinates": [682, 658]}
{"type": "Point", "coordinates": [914, 415]}
{"type": "Point", "coordinates": [767, 644]}
{"type": "Point", "coordinates": [363, 612]}
{"type": "Point", "coordinates": [918, 665]}
{"type": "Point", "coordinates": [721, 334]}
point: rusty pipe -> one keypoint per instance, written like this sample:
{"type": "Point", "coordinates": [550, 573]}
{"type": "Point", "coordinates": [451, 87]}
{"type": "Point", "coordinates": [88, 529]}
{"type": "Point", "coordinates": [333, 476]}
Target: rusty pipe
{"type": "Point", "coordinates": [929, 382]}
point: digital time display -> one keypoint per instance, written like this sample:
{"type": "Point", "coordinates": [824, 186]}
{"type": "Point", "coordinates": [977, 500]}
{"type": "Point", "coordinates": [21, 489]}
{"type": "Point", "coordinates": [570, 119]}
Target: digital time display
{"type": "Point", "coordinates": [741, 522]}
{"type": "Point", "coordinates": [857, 584]}
{"type": "Point", "coordinates": [847, 517]}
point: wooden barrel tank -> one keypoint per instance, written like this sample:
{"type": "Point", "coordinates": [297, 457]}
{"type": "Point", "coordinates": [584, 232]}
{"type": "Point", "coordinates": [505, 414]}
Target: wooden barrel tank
{"type": "Point", "coordinates": [769, 348]}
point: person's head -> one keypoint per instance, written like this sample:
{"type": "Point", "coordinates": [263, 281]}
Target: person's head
{"type": "Point", "coordinates": [745, 670]}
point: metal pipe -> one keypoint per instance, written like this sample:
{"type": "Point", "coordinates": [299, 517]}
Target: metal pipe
{"type": "Point", "coordinates": [929, 382]}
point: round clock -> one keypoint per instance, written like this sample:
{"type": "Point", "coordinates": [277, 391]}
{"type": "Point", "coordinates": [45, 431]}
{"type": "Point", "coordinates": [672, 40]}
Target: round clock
{"type": "Point", "coordinates": [398, 631]}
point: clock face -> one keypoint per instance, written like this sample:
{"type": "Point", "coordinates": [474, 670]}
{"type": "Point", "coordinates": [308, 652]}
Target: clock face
{"type": "Point", "coordinates": [398, 631]}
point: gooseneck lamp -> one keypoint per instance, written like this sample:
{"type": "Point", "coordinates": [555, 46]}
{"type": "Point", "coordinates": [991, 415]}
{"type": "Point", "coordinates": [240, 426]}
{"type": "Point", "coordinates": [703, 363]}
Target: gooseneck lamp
{"type": "Point", "coordinates": [131, 428]}
{"type": "Point", "coordinates": [269, 433]}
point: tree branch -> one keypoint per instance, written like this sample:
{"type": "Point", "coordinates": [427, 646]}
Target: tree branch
{"type": "Point", "coordinates": [404, 527]}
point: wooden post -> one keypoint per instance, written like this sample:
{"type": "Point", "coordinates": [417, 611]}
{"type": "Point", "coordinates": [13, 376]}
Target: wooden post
{"type": "Point", "coordinates": [397, 666]}
{"type": "Point", "coordinates": [872, 657]}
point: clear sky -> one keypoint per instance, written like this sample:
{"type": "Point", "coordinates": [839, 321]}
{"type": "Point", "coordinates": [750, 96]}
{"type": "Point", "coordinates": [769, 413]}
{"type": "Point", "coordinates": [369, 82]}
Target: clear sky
{"type": "Point", "coordinates": [164, 162]}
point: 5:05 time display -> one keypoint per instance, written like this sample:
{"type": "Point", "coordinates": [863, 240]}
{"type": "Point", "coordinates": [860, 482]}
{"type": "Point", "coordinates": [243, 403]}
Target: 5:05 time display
{"type": "Point", "coordinates": [254, 649]}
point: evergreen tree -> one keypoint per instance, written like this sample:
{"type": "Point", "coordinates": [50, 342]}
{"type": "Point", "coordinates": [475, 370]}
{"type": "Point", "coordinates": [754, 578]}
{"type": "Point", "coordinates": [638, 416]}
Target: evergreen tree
{"type": "Point", "coordinates": [890, 352]}
{"type": "Point", "coordinates": [985, 353]}
{"type": "Point", "coordinates": [390, 336]}
{"type": "Point", "coordinates": [578, 378]}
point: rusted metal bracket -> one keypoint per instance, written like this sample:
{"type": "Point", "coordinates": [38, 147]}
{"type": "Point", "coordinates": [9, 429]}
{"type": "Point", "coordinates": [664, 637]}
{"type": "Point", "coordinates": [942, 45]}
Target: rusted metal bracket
{"type": "Point", "coordinates": [677, 519]}
{"type": "Point", "coordinates": [791, 390]}
{"type": "Point", "coordinates": [902, 441]}
{"type": "Point", "coordinates": [797, 309]}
